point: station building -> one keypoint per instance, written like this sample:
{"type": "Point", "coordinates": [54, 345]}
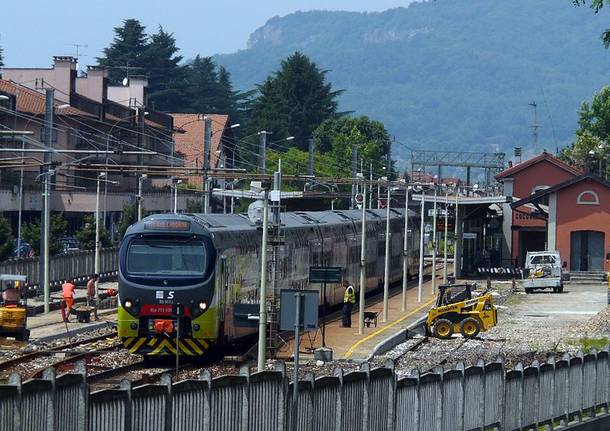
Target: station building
{"type": "Point", "coordinates": [556, 206]}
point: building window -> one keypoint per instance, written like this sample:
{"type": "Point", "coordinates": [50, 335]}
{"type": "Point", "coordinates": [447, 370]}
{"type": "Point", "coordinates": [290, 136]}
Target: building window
{"type": "Point", "coordinates": [588, 197]}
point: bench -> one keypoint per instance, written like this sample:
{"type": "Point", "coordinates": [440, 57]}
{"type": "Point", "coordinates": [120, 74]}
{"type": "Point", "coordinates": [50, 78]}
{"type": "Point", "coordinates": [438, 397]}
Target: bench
{"type": "Point", "coordinates": [370, 317]}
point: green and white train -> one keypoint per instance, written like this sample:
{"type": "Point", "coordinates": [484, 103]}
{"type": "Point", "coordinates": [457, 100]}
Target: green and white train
{"type": "Point", "coordinates": [198, 266]}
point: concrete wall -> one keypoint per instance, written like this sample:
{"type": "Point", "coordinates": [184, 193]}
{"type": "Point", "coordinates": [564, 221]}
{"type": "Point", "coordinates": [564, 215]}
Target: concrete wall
{"type": "Point", "coordinates": [574, 217]}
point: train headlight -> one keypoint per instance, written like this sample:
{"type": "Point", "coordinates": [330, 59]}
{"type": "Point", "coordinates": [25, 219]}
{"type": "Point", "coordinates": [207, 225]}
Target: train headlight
{"type": "Point", "coordinates": [203, 305]}
{"type": "Point", "coordinates": [128, 303]}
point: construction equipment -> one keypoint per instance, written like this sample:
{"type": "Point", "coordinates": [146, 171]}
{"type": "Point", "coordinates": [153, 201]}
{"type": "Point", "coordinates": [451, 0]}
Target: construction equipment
{"type": "Point", "coordinates": [457, 310]}
{"type": "Point", "coordinates": [13, 307]}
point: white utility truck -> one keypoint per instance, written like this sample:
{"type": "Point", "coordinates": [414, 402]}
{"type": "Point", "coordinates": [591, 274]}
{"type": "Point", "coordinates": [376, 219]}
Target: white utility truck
{"type": "Point", "coordinates": [543, 270]}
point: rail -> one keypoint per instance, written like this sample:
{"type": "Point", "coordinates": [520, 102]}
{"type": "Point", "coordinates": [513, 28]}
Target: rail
{"type": "Point", "coordinates": [570, 389]}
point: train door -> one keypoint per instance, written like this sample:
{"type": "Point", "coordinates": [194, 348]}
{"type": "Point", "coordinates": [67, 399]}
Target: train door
{"type": "Point", "coordinates": [222, 286]}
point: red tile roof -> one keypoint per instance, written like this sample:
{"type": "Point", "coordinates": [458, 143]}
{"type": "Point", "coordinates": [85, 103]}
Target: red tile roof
{"type": "Point", "coordinates": [539, 158]}
{"type": "Point", "coordinates": [190, 141]}
{"type": "Point", "coordinates": [33, 102]}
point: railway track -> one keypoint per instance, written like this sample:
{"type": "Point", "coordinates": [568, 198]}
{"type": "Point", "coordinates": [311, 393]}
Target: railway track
{"type": "Point", "coordinates": [138, 373]}
{"type": "Point", "coordinates": [28, 362]}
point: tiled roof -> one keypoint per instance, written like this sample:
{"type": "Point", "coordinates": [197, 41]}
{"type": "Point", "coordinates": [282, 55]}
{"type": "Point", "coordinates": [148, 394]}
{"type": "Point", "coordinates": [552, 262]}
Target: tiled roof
{"type": "Point", "coordinates": [190, 141]}
{"type": "Point", "coordinates": [33, 102]}
{"type": "Point", "coordinates": [539, 158]}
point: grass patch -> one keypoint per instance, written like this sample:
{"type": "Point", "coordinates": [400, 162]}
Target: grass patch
{"type": "Point", "coordinates": [587, 344]}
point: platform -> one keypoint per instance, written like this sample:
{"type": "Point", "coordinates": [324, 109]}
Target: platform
{"type": "Point", "coordinates": [51, 323]}
{"type": "Point", "coordinates": [347, 344]}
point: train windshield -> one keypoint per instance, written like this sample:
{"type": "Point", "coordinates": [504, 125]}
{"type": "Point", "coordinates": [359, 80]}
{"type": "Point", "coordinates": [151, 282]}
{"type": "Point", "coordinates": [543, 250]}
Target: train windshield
{"type": "Point", "coordinates": [165, 256]}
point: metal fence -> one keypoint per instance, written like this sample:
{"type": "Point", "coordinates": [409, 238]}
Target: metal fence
{"type": "Point", "coordinates": [77, 265]}
{"type": "Point", "coordinates": [485, 396]}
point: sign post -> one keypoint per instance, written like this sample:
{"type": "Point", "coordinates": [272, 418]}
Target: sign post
{"type": "Point", "coordinates": [178, 312]}
{"type": "Point", "coordinates": [325, 274]}
{"type": "Point", "coordinates": [303, 304]}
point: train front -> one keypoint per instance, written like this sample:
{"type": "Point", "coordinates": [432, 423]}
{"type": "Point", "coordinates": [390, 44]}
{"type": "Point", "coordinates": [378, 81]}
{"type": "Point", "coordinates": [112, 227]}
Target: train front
{"type": "Point", "coordinates": [166, 287]}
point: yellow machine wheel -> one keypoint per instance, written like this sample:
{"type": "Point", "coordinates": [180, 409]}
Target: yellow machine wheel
{"type": "Point", "coordinates": [443, 328]}
{"type": "Point", "coordinates": [470, 327]}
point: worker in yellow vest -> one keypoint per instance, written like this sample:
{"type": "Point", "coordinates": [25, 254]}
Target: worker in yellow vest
{"type": "Point", "coordinates": [349, 299]}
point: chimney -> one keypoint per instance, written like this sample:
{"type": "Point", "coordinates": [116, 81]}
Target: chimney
{"type": "Point", "coordinates": [97, 83]}
{"type": "Point", "coordinates": [510, 163]}
{"type": "Point", "coordinates": [64, 77]}
{"type": "Point", "coordinates": [137, 90]}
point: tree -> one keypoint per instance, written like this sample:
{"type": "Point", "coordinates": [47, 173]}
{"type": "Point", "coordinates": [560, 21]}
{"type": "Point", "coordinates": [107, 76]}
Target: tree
{"type": "Point", "coordinates": [202, 90]}
{"type": "Point", "coordinates": [57, 229]}
{"type": "Point", "coordinates": [6, 239]}
{"type": "Point", "coordinates": [129, 216]}
{"type": "Point", "coordinates": [165, 75]}
{"type": "Point", "coordinates": [86, 235]}
{"type": "Point", "coordinates": [194, 206]}
{"type": "Point", "coordinates": [597, 5]}
{"type": "Point", "coordinates": [593, 132]}
{"type": "Point", "coordinates": [294, 101]}
{"type": "Point", "coordinates": [338, 136]}
{"type": "Point", "coordinates": [127, 50]}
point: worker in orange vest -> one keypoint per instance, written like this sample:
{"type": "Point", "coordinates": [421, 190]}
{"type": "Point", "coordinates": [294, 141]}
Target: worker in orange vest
{"type": "Point", "coordinates": [67, 290]}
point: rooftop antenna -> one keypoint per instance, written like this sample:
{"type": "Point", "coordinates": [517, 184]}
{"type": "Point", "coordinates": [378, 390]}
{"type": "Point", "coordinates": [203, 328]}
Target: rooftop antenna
{"type": "Point", "coordinates": [535, 126]}
{"type": "Point", "coordinates": [77, 47]}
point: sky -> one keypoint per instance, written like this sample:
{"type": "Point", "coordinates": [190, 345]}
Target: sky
{"type": "Point", "coordinates": [32, 32]}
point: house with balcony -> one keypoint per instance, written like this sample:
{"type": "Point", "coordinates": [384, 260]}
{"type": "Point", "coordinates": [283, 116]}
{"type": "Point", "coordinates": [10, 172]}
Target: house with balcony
{"type": "Point", "coordinates": [86, 119]}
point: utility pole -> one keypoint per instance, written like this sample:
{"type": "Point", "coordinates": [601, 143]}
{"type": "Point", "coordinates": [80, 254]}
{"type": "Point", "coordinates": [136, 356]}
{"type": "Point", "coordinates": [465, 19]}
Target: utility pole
{"type": "Point", "coordinates": [455, 235]}
{"type": "Point", "coordinates": [262, 146]}
{"type": "Point", "coordinates": [262, 311]}
{"type": "Point", "coordinates": [434, 242]}
{"type": "Point", "coordinates": [20, 212]}
{"type": "Point", "coordinates": [386, 272]}
{"type": "Point", "coordinates": [405, 252]}
{"type": "Point", "coordinates": [421, 250]}
{"type": "Point", "coordinates": [97, 228]}
{"type": "Point", "coordinates": [535, 126]}
{"type": "Point", "coordinates": [140, 197]}
{"type": "Point", "coordinates": [310, 158]}
{"type": "Point", "coordinates": [446, 239]}
{"type": "Point", "coordinates": [371, 182]}
{"type": "Point", "coordinates": [49, 106]}
{"type": "Point", "coordinates": [207, 146]}
{"type": "Point", "coordinates": [362, 265]}
{"type": "Point", "coordinates": [276, 241]}
{"type": "Point", "coordinates": [354, 173]}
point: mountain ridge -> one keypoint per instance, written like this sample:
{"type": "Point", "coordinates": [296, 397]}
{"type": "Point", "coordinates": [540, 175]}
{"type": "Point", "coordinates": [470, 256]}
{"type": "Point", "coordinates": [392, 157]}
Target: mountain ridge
{"type": "Point", "coordinates": [449, 74]}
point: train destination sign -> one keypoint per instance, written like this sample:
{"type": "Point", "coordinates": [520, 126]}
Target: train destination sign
{"type": "Point", "coordinates": [325, 274]}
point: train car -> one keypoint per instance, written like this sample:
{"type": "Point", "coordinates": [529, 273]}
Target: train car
{"type": "Point", "coordinates": [198, 266]}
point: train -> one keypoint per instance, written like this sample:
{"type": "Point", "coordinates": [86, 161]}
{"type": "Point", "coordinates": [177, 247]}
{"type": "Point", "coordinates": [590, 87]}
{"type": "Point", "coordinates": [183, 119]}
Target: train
{"type": "Point", "coordinates": [184, 273]}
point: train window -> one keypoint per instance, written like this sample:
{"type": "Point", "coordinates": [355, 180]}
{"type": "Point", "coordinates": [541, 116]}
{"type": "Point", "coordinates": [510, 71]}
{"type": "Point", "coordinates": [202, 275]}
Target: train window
{"type": "Point", "coordinates": [166, 256]}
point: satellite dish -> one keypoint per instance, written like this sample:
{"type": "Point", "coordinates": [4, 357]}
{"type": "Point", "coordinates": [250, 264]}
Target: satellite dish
{"type": "Point", "coordinates": [255, 212]}
{"type": "Point", "coordinates": [125, 82]}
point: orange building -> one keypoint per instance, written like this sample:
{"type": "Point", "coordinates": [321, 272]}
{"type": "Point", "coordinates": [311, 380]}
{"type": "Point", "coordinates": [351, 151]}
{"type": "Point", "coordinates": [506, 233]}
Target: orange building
{"type": "Point", "coordinates": [577, 216]}
{"type": "Point", "coordinates": [525, 226]}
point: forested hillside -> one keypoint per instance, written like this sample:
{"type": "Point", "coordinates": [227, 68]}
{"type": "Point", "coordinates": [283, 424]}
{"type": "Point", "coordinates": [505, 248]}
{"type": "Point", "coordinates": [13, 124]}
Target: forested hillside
{"type": "Point", "coordinates": [448, 74]}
